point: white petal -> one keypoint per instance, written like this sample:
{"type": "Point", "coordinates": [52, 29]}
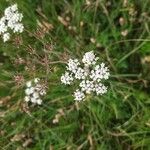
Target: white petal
{"type": "Point", "coordinates": [33, 100]}
{"type": "Point", "coordinates": [39, 101]}
{"type": "Point", "coordinates": [27, 98]}
{"type": "Point", "coordinates": [36, 80]}
{"type": "Point", "coordinates": [28, 84]}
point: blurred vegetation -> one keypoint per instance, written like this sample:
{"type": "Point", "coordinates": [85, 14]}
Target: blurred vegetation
{"type": "Point", "coordinates": [55, 30]}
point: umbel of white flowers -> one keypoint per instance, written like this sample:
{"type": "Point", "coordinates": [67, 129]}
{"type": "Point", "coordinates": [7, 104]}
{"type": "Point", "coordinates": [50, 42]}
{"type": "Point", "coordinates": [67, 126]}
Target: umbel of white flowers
{"type": "Point", "coordinates": [34, 91]}
{"type": "Point", "coordinates": [11, 21]}
{"type": "Point", "coordinates": [90, 75]}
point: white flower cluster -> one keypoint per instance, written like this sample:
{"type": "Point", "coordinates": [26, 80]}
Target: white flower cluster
{"type": "Point", "coordinates": [34, 91]}
{"type": "Point", "coordinates": [11, 20]}
{"type": "Point", "coordinates": [90, 74]}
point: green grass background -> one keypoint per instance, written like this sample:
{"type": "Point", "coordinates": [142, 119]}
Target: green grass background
{"type": "Point", "coordinates": [118, 120]}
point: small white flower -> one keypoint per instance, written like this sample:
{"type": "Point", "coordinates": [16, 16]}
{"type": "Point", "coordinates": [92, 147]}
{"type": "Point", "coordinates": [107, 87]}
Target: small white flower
{"type": "Point", "coordinates": [34, 91]}
{"type": "Point", "coordinates": [6, 37]}
{"type": "Point", "coordinates": [27, 98]}
{"type": "Point", "coordinates": [18, 28]}
{"type": "Point", "coordinates": [31, 90]}
{"type": "Point", "coordinates": [79, 95]}
{"type": "Point", "coordinates": [89, 58]}
{"type": "Point", "coordinates": [39, 101]}
{"type": "Point", "coordinates": [66, 78]}
{"type": "Point", "coordinates": [27, 91]}
{"type": "Point", "coordinates": [3, 27]}
{"type": "Point", "coordinates": [80, 73]}
{"type": "Point", "coordinates": [36, 80]}
{"type": "Point", "coordinates": [100, 72]}
{"type": "Point", "coordinates": [36, 95]}
{"type": "Point", "coordinates": [33, 100]}
{"type": "Point", "coordinates": [14, 7]}
{"type": "Point", "coordinates": [28, 84]}
{"type": "Point", "coordinates": [87, 86]}
{"type": "Point", "coordinates": [73, 65]}
{"type": "Point", "coordinates": [100, 89]}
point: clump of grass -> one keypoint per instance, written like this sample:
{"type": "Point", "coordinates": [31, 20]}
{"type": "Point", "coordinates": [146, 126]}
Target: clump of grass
{"type": "Point", "coordinates": [55, 31]}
